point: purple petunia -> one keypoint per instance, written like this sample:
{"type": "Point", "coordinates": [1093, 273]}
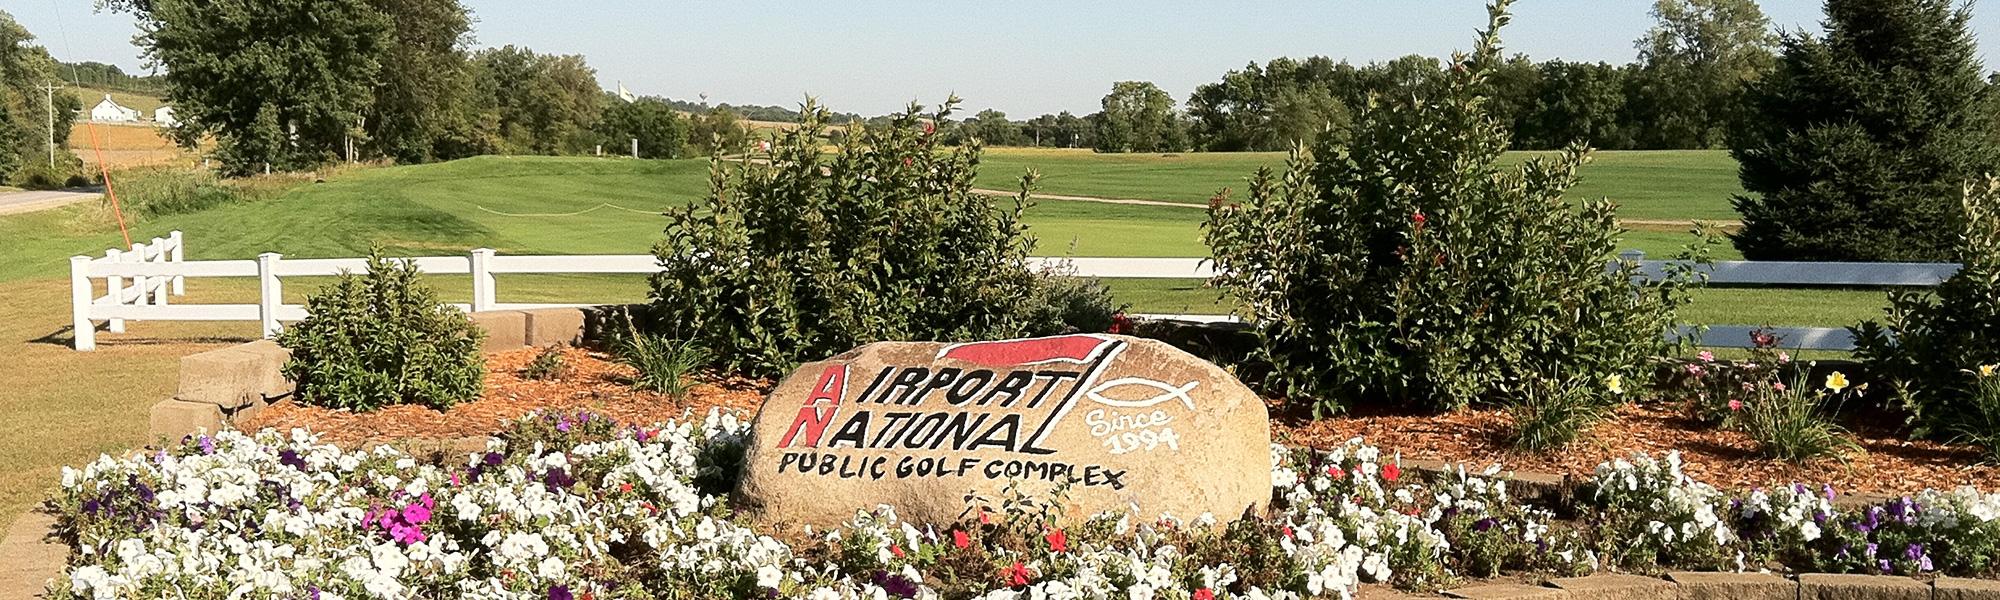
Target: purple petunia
{"type": "Point", "coordinates": [560, 592]}
{"type": "Point", "coordinates": [1483, 524]}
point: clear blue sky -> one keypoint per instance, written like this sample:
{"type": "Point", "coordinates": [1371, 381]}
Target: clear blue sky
{"type": "Point", "coordinates": [1025, 57]}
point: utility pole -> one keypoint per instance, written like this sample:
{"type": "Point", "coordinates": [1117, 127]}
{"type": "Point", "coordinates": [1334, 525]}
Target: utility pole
{"type": "Point", "coordinates": [49, 101]}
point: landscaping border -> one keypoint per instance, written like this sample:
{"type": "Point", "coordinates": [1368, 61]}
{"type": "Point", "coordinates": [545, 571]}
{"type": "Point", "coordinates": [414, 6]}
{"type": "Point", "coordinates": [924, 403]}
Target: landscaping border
{"type": "Point", "coordinates": [220, 388]}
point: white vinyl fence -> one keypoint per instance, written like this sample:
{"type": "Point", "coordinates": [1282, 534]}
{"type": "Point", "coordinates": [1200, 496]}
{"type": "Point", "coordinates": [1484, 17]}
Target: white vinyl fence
{"type": "Point", "coordinates": [138, 283]}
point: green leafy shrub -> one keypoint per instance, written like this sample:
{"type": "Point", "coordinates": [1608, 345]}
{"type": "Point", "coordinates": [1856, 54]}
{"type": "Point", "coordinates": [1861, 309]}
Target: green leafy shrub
{"type": "Point", "coordinates": [1794, 423]}
{"type": "Point", "coordinates": [383, 338]}
{"type": "Point", "coordinates": [38, 175]}
{"type": "Point", "coordinates": [663, 363]}
{"type": "Point", "coordinates": [1553, 412]}
{"type": "Point", "coordinates": [1930, 336]}
{"type": "Point", "coordinates": [548, 364]}
{"type": "Point", "coordinates": [1981, 425]}
{"type": "Point", "coordinates": [799, 254]}
{"type": "Point", "coordinates": [1406, 266]}
{"type": "Point", "coordinates": [1061, 302]}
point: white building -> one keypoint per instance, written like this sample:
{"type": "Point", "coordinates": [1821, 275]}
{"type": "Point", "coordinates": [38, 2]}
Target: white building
{"type": "Point", "coordinates": [164, 116]}
{"type": "Point", "coordinates": [110, 112]}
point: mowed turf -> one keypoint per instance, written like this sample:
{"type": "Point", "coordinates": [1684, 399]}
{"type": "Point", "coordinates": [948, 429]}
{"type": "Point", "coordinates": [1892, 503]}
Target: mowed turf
{"type": "Point", "coordinates": [1676, 185]}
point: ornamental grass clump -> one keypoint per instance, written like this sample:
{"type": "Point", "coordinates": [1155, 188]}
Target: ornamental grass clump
{"type": "Point", "coordinates": [1553, 413]}
{"type": "Point", "coordinates": [1406, 265]}
{"type": "Point", "coordinates": [1795, 423]}
{"type": "Point", "coordinates": [1928, 337]}
{"type": "Point", "coordinates": [382, 338]}
{"type": "Point", "coordinates": [799, 253]}
{"type": "Point", "coordinates": [661, 364]}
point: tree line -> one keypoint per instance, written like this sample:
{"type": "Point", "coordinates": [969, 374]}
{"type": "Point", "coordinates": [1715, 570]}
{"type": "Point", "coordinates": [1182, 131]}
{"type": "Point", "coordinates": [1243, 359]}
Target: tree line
{"type": "Point", "coordinates": [293, 85]}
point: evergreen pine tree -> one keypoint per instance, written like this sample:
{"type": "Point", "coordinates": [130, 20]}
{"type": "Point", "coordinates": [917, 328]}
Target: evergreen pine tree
{"type": "Point", "coordinates": [1856, 148]}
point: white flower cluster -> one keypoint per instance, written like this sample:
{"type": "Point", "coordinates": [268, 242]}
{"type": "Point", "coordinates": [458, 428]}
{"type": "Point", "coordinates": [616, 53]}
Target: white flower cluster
{"type": "Point", "coordinates": [1680, 511]}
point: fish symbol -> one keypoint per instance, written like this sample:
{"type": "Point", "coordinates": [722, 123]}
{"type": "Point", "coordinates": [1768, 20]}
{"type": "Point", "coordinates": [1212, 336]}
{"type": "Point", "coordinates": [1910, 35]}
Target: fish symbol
{"type": "Point", "coordinates": [1167, 392]}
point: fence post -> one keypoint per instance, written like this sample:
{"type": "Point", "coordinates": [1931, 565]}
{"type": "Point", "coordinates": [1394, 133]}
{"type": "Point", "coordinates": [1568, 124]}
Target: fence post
{"type": "Point", "coordinates": [114, 288]}
{"type": "Point", "coordinates": [177, 245]}
{"type": "Point", "coordinates": [84, 333]}
{"type": "Point", "coordinates": [270, 293]}
{"type": "Point", "coordinates": [140, 295]}
{"type": "Point", "coordinates": [483, 295]}
{"type": "Point", "coordinates": [158, 286]}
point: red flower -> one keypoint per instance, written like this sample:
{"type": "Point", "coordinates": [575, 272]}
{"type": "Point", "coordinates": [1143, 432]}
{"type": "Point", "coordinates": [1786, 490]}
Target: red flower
{"type": "Point", "coordinates": [929, 127]}
{"type": "Point", "coordinates": [985, 518]}
{"type": "Point", "coordinates": [959, 539]}
{"type": "Point", "coordinates": [1058, 541]}
{"type": "Point", "coordinates": [1204, 594]}
{"type": "Point", "coordinates": [625, 488]}
{"type": "Point", "coordinates": [1016, 575]}
{"type": "Point", "coordinates": [1288, 532]}
{"type": "Point", "coordinates": [896, 550]}
{"type": "Point", "coordinates": [1335, 472]}
{"type": "Point", "coordinates": [1121, 324]}
{"type": "Point", "coordinates": [1391, 471]}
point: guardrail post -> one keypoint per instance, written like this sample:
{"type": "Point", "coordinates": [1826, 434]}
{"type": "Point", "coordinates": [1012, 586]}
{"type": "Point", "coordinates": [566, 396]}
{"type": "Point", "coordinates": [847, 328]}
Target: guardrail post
{"type": "Point", "coordinates": [176, 247]}
{"type": "Point", "coordinates": [83, 332]}
{"type": "Point", "coordinates": [483, 295]}
{"type": "Point", "coordinates": [270, 293]}
{"type": "Point", "coordinates": [114, 288]}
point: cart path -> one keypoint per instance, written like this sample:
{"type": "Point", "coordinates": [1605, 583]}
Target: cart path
{"type": "Point", "coordinates": [1135, 201]}
{"type": "Point", "coordinates": [21, 202]}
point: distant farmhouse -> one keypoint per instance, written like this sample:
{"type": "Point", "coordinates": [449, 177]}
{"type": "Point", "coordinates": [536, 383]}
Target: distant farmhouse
{"type": "Point", "coordinates": [164, 116]}
{"type": "Point", "coordinates": [111, 112]}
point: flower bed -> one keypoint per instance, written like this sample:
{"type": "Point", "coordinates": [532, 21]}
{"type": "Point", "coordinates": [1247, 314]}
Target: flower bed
{"type": "Point", "coordinates": [1889, 463]}
{"type": "Point", "coordinates": [591, 380]}
{"type": "Point", "coordinates": [576, 506]}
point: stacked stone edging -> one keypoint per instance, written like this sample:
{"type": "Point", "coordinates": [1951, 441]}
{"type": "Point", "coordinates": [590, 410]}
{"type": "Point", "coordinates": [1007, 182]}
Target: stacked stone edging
{"type": "Point", "coordinates": [219, 388]}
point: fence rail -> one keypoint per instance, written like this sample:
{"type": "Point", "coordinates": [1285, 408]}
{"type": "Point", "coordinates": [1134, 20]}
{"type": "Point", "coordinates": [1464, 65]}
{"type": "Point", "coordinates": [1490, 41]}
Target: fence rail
{"type": "Point", "coordinates": [139, 281]}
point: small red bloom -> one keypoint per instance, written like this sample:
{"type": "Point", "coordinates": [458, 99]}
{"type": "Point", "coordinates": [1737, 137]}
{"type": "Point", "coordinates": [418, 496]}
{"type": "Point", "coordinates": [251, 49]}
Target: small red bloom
{"type": "Point", "coordinates": [1288, 532]}
{"type": "Point", "coordinates": [959, 539]}
{"type": "Point", "coordinates": [1058, 541]}
{"type": "Point", "coordinates": [1016, 575]}
{"type": "Point", "coordinates": [1391, 471]}
{"type": "Point", "coordinates": [1335, 472]}
{"type": "Point", "coordinates": [985, 518]}
{"type": "Point", "coordinates": [1418, 218]}
{"type": "Point", "coordinates": [1204, 594]}
{"type": "Point", "coordinates": [896, 550]}
{"type": "Point", "coordinates": [625, 488]}
{"type": "Point", "coordinates": [1121, 324]}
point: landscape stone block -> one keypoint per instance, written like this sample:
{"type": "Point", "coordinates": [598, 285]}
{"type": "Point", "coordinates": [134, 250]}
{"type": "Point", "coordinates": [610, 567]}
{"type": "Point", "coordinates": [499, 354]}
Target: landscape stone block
{"type": "Point", "coordinates": [1824, 586]}
{"type": "Point", "coordinates": [1613, 586]}
{"type": "Point", "coordinates": [1378, 591]}
{"type": "Point", "coordinates": [505, 329]}
{"type": "Point", "coordinates": [554, 326]}
{"type": "Point", "coordinates": [1958, 588]}
{"type": "Point", "coordinates": [235, 376]}
{"type": "Point", "coordinates": [173, 419]}
{"type": "Point", "coordinates": [1694, 585]}
{"type": "Point", "coordinates": [1506, 591]}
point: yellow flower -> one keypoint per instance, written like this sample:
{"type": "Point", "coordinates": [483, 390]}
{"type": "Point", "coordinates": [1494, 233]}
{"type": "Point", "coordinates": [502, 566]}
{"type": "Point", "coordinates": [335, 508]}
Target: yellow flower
{"type": "Point", "coordinates": [1987, 370]}
{"type": "Point", "coordinates": [1836, 382]}
{"type": "Point", "coordinates": [1615, 383]}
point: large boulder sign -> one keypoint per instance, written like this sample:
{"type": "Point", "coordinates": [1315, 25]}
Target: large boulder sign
{"type": "Point", "coordinates": [935, 429]}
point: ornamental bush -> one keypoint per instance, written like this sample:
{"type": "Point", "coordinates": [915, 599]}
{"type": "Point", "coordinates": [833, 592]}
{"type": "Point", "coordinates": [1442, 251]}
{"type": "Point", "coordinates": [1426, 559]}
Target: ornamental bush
{"type": "Point", "coordinates": [1931, 341]}
{"type": "Point", "coordinates": [1406, 266]}
{"type": "Point", "coordinates": [383, 338]}
{"type": "Point", "coordinates": [799, 254]}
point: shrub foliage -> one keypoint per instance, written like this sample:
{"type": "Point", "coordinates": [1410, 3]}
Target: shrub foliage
{"type": "Point", "coordinates": [382, 338]}
{"type": "Point", "coordinates": [799, 254]}
{"type": "Point", "coordinates": [1930, 339]}
{"type": "Point", "coordinates": [1404, 265]}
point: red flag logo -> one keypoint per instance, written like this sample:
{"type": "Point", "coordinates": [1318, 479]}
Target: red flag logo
{"type": "Point", "coordinates": [1076, 349]}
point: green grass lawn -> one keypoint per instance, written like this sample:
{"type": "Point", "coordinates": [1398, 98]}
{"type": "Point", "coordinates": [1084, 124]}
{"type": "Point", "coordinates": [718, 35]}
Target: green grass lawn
{"type": "Point", "coordinates": [1653, 185]}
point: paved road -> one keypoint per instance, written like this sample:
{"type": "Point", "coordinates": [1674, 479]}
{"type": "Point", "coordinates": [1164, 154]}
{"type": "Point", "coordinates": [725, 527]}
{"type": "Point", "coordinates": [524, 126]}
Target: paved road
{"type": "Point", "coordinates": [20, 202]}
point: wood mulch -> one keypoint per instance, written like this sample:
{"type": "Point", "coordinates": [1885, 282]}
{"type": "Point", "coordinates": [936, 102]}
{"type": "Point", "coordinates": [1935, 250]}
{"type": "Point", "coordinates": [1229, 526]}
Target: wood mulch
{"type": "Point", "coordinates": [592, 382]}
{"type": "Point", "coordinates": [1887, 463]}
